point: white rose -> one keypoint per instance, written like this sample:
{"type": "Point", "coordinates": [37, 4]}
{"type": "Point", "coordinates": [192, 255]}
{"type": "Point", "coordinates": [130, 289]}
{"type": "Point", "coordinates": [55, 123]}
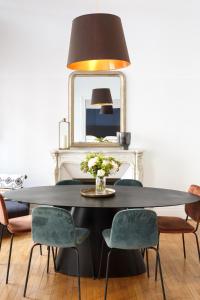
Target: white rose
{"type": "Point", "coordinates": [115, 167]}
{"type": "Point", "coordinates": [105, 162]}
{"type": "Point", "coordinates": [92, 162]}
{"type": "Point", "coordinates": [100, 173]}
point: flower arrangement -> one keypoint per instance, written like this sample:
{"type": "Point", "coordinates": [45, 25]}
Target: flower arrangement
{"type": "Point", "coordinates": [99, 165]}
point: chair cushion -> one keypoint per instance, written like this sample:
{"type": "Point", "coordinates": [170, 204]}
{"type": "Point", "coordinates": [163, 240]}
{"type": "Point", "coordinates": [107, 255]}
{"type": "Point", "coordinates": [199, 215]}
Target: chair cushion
{"type": "Point", "coordinates": [16, 209]}
{"type": "Point", "coordinates": [20, 224]}
{"type": "Point", "coordinates": [173, 225]}
{"type": "Point", "coordinates": [81, 235]}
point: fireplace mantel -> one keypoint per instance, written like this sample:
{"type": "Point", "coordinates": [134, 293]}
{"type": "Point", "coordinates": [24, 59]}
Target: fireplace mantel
{"type": "Point", "coordinates": [67, 162]}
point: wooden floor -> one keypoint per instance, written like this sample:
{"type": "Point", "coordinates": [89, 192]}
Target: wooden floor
{"type": "Point", "coordinates": [182, 277]}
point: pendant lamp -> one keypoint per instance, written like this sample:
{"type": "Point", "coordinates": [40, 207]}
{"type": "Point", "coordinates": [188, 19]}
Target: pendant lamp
{"type": "Point", "coordinates": [97, 43]}
{"type": "Point", "coordinates": [106, 110]}
{"type": "Point", "coordinates": [101, 96]}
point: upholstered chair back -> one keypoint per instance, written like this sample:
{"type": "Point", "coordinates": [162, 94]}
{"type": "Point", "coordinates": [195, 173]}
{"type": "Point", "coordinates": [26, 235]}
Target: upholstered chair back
{"type": "Point", "coordinates": [3, 212]}
{"type": "Point", "coordinates": [53, 226]}
{"type": "Point", "coordinates": [68, 182]}
{"type": "Point", "coordinates": [128, 182]}
{"type": "Point", "coordinates": [134, 229]}
{"type": "Point", "coordinates": [193, 209]}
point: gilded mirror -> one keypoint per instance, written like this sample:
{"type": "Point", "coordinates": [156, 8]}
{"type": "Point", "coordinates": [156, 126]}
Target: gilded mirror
{"type": "Point", "coordinates": [96, 125]}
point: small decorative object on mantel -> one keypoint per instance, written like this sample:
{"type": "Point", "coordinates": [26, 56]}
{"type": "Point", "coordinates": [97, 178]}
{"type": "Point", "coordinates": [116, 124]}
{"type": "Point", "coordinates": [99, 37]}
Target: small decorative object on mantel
{"type": "Point", "coordinates": [124, 139]}
{"type": "Point", "coordinates": [64, 134]}
{"type": "Point", "coordinates": [100, 167]}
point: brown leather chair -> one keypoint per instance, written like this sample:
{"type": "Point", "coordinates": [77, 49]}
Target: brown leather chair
{"type": "Point", "coordinates": [14, 226]}
{"type": "Point", "coordinates": [179, 225]}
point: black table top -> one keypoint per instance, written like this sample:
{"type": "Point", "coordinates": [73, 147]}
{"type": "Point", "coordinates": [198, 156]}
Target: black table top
{"type": "Point", "coordinates": [126, 196]}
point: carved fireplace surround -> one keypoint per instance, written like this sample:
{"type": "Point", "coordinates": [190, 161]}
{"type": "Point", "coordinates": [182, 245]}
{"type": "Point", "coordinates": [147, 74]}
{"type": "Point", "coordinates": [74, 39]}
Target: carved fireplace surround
{"type": "Point", "coordinates": [67, 162]}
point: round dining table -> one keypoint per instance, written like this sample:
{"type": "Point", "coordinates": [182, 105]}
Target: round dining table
{"type": "Point", "coordinates": [97, 214]}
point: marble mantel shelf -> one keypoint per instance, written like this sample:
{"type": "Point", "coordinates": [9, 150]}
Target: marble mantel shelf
{"type": "Point", "coordinates": [65, 159]}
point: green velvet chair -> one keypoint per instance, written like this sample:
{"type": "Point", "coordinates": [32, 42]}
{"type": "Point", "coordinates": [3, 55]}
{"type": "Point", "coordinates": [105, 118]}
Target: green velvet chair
{"type": "Point", "coordinates": [69, 182]}
{"type": "Point", "coordinates": [54, 227]}
{"type": "Point", "coordinates": [132, 229]}
{"type": "Point", "coordinates": [128, 182]}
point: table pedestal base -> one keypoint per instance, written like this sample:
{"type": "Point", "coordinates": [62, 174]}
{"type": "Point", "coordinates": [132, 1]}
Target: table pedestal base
{"type": "Point", "coordinates": [122, 263]}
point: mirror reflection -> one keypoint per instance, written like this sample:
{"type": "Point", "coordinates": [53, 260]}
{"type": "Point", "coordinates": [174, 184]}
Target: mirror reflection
{"type": "Point", "coordinates": [97, 109]}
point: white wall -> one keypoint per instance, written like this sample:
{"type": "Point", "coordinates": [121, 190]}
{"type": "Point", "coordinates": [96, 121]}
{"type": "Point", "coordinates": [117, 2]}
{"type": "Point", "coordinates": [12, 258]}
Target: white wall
{"type": "Point", "coordinates": [163, 84]}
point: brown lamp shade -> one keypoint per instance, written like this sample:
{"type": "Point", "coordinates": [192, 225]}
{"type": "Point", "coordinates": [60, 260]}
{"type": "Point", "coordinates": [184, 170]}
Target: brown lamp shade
{"type": "Point", "coordinates": [97, 43]}
{"type": "Point", "coordinates": [101, 97]}
{"type": "Point", "coordinates": [106, 110]}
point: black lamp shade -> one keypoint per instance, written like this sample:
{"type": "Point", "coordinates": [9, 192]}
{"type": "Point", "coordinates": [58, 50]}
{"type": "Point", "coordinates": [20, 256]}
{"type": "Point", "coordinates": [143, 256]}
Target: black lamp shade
{"type": "Point", "coordinates": [97, 43]}
{"type": "Point", "coordinates": [106, 110]}
{"type": "Point", "coordinates": [101, 96]}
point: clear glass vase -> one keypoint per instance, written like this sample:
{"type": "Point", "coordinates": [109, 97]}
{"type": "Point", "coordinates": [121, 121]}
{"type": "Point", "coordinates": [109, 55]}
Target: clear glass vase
{"type": "Point", "coordinates": [100, 185]}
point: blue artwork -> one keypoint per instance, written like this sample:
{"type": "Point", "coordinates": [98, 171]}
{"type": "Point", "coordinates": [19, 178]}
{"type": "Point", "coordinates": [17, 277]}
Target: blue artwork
{"type": "Point", "coordinates": [101, 125]}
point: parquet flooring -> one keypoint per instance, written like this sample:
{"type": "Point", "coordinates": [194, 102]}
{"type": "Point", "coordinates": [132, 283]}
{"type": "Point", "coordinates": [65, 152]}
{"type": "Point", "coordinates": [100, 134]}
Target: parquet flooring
{"type": "Point", "coordinates": [182, 277]}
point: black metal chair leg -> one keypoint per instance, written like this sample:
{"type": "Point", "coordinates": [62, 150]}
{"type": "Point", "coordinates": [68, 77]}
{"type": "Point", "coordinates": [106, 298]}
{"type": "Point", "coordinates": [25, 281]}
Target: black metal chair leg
{"type": "Point", "coordinates": [156, 267]}
{"type": "Point", "coordinates": [92, 259]}
{"type": "Point", "coordinates": [101, 256]}
{"type": "Point", "coordinates": [184, 252]}
{"type": "Point", "coordinates": [78, 273]}
{"type": "Point", "coordinates": [54, 258]}
{"type": "Point", "coordinates": [28, 270]}
{"type": "Point", "coordinates": [142, 252]}
{"type": "Point", "coordinates": [197, 241]}
{"type": "Point", "coordinates": [160, 269]}
{"type": "Point", "coordinates": [40, 249]}
{"type": "Point", "coordinates": [56, 252]}
{"type": "Point", "coordinates": [107, 274]}
{"type": "Point", "coordinates": [48, 258]}
{"type": "Point", "coordinates": [9, 257]}
{"type": "Point", "coordinates": [161, 276]}
{"type": "Point", "coordinates": [1, 236]}
{"type": "Point", "coordinates": [147, 261]}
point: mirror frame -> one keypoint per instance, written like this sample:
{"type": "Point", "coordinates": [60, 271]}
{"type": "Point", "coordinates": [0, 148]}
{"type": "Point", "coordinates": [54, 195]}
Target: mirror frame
{"type": "Point", "coordinates": [71, 81]}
